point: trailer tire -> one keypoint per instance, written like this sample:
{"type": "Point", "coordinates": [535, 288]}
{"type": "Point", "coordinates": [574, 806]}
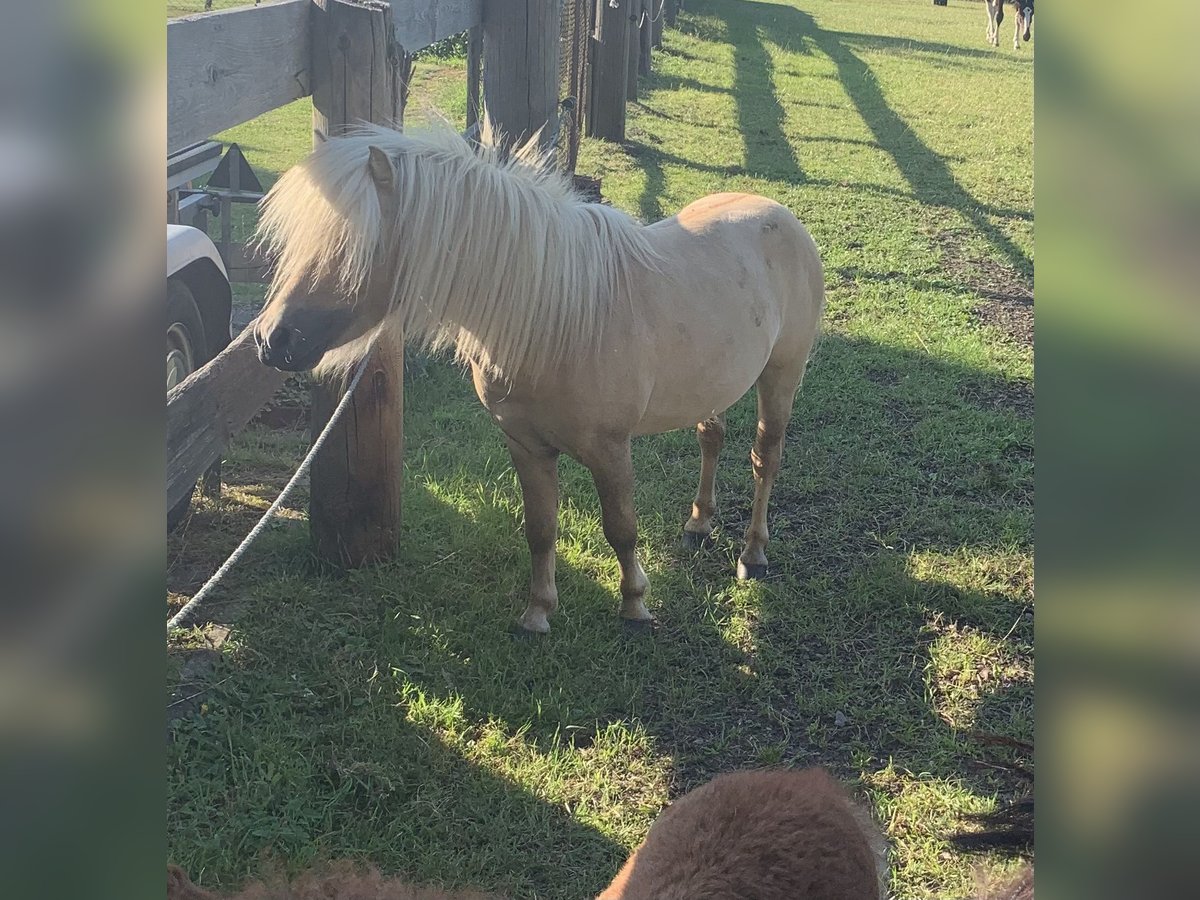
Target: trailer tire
{"type": "Point", "coordinates": [187, 351]}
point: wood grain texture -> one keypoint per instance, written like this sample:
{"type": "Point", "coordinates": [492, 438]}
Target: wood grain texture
{"type": "Point", "coordinates": [212, 405]}
{"type": "Point", "coordinates": [356, 489]}
{"type": "Point", "coordinates": [228, 67]}
{"type": "Point", "coordinates": [420, 23]}
{"type": "Point", "coordinates": [520, 67]}
{"type": "Point", "coordinates": [634, 47]}
{"type": "Point", "coordinates": [646, 35]}
{"type": "Point", "coordinates": [355, 66]}
{"type": "Point", "coordinates": [610, 62]}
{"type": "Point", "coordinates": [474, 76]}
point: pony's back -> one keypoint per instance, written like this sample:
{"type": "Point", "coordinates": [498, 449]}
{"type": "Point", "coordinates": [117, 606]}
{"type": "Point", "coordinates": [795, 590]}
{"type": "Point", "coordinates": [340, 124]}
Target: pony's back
{"type": "Point", "coordinates": [758, 836]}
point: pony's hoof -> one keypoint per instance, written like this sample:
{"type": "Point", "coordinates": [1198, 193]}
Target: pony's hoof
{"type": "Point", "coordinates": [520, 633]}
{"type": "Point", "coordinates": [639, 626]}
{"type": "Point", "coordinates": [533, 622]}
{"type": "Point", "coordinates": [751, 571]}
{"type": "Point", "coordinates": [694, 541]}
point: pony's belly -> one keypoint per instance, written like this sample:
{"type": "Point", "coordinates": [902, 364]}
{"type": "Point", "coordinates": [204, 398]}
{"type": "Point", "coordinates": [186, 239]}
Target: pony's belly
{"type": "Point", "coordinates": [685, 403]}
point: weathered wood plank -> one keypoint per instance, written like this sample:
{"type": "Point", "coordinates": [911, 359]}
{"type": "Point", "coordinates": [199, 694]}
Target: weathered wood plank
{"type": "Point", "coordinates": [228, 67]}
{"type": "Point", "coordinates": [646, 35]}
{"type": "Point", "coordinates": [610, 61]}
{"type": "Point", "coordinates": [520, 67]}
{"type": "Point", "coordinates": [420, 23]}
{"type": "Point", "coordinates": [355, 76]}
{"type": "Point", "coordinates": [231, 66]}
{"type": "Point", "coordinates": [212, 405]}
{"type": "Point", "coordinates": [474, 76]}
{"type": "Point", "coordinates": [635, 48]}
{"type": "Point", "coordinates": [357, 480]}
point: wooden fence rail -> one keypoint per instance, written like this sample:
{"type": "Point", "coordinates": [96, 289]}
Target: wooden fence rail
{"type": "Point", "coordinates": [231, 66]}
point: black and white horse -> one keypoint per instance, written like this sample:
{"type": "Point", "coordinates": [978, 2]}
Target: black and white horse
{"type": "Point", "coordinates": [995, 13]}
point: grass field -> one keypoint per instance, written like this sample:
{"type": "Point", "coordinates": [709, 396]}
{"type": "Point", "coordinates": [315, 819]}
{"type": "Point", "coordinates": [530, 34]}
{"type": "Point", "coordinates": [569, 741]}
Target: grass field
{"type": "Point", "coordinates": [389, 715]}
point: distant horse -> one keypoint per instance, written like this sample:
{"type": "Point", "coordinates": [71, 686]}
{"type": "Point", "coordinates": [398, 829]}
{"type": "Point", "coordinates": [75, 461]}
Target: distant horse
{"type": "Point", "coordinates": [1024, 24]}
{"type": "Point", "coordinates": [582, 327]}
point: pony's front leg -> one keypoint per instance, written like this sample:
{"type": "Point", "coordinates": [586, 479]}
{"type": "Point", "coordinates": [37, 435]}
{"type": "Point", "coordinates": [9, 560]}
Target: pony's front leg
{"type": "Point", "coordinates": [697, 530]}
{"type": "Point", "coordinates": [611, 466]}
{"type": "Point", "coordinates": [537, 469]}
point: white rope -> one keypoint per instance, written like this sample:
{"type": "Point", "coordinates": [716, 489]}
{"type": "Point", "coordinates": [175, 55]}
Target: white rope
{"type": "Point", "coordinates": [662, 5]}
{"type": "Point", "coordinates": [180, 617]}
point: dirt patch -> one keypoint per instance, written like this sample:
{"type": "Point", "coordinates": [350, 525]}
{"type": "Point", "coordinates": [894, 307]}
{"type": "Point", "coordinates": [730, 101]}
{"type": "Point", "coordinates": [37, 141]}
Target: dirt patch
{"type": "Point", "coordinates": [1006, 296]}
{"type": "Point", "coordinates": [196, 665]}
{"type": "Point", "coordinates": [1015, 396]}
{"type": "Point", "coordinates": [881, 375]}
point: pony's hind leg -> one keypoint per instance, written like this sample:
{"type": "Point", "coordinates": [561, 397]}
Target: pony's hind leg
{"type": "Point", "coordinates": [776, 392]}
{"type": "Point", "coordinates": [711, 435]}
{"type": "Point", "coordinates": [537, 469]}
{"type": "Point", "coordinates": [611, 465]}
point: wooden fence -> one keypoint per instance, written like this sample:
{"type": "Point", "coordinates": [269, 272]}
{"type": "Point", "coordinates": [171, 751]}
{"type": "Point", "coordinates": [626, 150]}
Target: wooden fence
{"type": "Point", "coordinates": [225, 68]}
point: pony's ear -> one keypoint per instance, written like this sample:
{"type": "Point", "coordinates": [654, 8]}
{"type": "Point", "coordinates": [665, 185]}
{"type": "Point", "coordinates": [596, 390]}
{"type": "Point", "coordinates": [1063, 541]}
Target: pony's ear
{"type": "Point", "coordinates": [381, 168]}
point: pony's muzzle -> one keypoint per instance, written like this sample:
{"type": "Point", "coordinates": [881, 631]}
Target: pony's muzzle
{"type": "Point", "coordinates": [282, 347]}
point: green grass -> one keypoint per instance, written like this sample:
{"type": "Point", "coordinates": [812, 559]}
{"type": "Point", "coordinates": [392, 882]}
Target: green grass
{"type": "Point", "coordinates": [388, 714]}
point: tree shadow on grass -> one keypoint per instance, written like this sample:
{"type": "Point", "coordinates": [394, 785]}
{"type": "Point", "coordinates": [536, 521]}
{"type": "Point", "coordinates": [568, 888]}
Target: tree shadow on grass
{"type": "Point", "coordinates": [760, 113]}
{"type": "Point", "coordinates": [924, 169]}
{"type": "Point", "coordinates": [934, 48]}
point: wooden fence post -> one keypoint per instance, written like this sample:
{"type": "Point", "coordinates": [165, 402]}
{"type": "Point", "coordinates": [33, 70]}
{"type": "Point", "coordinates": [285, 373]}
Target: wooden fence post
{"type": "Point", "coordinates": [659, 12]}
{"type": "Point", "coordinates": [474, 73]}
{"type": "Point", "coordinates": [354, 508]}
{"type": "Point", "coordinates": [671, 11]}
{"type": "Point", "coordinates": [520, 67]}
{"type": "Point", "coordinates": [610, 62]}
{"type": "Point", "coordinates": [633, 60]}
{"type": "Point", "coordinates": [646, 36]}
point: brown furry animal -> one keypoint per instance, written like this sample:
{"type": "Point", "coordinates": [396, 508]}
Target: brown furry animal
{"type": "Point", "coordinates": [336, 884]}
{"type": "Point", "coordinates": [758, 836]}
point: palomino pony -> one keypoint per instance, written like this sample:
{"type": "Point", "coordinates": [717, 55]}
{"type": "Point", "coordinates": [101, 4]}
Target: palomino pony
{"type": "Point", "coordinates": [582, 327]}
{"type": "Point", "coordinates": [1024, 24]}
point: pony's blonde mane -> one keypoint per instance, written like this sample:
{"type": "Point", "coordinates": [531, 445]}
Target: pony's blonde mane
{"type": "Point", "coordinates": [493, 254]}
